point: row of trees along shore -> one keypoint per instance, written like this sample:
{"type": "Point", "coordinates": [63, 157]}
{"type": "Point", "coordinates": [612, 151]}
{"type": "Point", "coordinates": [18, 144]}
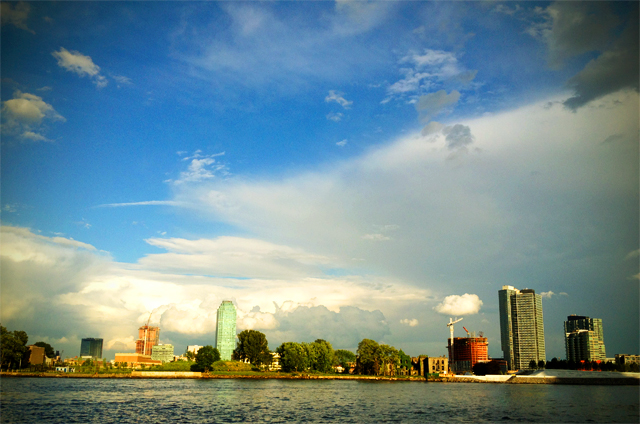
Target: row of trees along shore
{"type": "Point", "coordinates": [319, 356]}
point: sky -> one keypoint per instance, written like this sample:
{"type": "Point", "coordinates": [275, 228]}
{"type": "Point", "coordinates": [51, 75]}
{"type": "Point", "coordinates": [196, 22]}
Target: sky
{"type": "Point", "coordinates": [339, 170]}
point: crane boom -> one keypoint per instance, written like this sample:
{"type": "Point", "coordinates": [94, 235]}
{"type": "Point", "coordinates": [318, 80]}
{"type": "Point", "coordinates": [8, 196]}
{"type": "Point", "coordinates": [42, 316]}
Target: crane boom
{"type": "Point", "coordinates": [450, 325]}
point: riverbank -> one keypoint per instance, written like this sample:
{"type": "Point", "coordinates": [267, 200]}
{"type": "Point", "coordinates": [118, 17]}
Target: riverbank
{"type": "Point", "coordinates": [539, 377]}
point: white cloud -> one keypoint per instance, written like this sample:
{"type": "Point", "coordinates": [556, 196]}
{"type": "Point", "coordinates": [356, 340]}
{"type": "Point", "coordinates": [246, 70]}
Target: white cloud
{"type": "Point", "coordinates": [342, 143]}
{"type": "Point", "coordinates": [633, 254]}
{"type": "Point", "coordinates": [30, 135]}
{"type": "Point", "coordinates": [338, 97]}
{"type": "Point", "coordinates": [76, 62]}
{"type": "Point", "coordinates": [16, 16]}
{"type": "Point", "coordinates": [201, 167]}
{"type": "Point", "coordinates": [467, 304]}
{"type": "Point", "coordinates": [335, 117]}
{"type": "Point", "coordinates": [410, 322]}
{"type": "Point", "coordinates": [547, 295]}
{"type": "Point", "coordinates": [25, 114]}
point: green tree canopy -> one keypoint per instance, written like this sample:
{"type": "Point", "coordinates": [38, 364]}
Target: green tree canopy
{"type": "Point", "coordinates": [48, 349]}
{"type": "Point", "coordinates": [405, 360]}
{"type": "Point", "coordinates": [13, 347]}
{"type": "Point", "coordinates": [252, 345]}
{"type": "Point", "coordinates": [294, 357]}
{"type": "Point", "coordinates": [205, 358]}
{"type": "Point", "coordinates": [369, 359]}
{"type": "Point", "coordinates": [343, 358]}
{"type": "Point", "coordinates": [322, 360]}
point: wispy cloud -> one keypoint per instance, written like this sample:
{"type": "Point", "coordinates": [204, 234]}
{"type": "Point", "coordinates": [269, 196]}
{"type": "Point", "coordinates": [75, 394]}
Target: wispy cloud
{"type": "Point", "coordinates": [335, 116]}
{"type": "Point", "coordinates": [76, 62]}
{"type": "Point", "coordinates": [201, 168]}
{"type": "Point", "coordinates": [146, 203]}
{"type": "Point", "coordinates": [338, 97]}
{"type": "Point", "coordinates": [16, 16]}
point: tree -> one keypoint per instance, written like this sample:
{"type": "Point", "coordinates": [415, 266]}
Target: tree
{"type": "Point", "coordinates": [252, 345]}
{"type": "Point", "coordinates": [405, 361]}
{"type": "Point", "coordinates": [323, 356]}
{"type": "Point", "coordinates": [294, 357]}
{"type": "Point", "coordinates": [205, 358]}
{"type": "Point", "coordinates": [541, 364]}
{"type": "Point", "coordinates": [390, 359]}
{"type": "Point", "coordinates": [48, 349]}
{"type": "Point", "coordinates": [13, 347]}
{"type": "Point", "coordinates": [344, 358]}
{"type": "Point", "coordinates": [533, 364]}
{"type": "Point", "coordinates": [368, 360]}
{"type": "Point", "coordinates": [190, 356]}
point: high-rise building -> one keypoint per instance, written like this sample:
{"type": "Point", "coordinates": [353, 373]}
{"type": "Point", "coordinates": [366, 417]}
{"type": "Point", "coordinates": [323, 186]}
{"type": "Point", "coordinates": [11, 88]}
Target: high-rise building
{"type": "Point", "coordinates": [162, 352]}
{"type": "Point", "coordinates": [148, 337]}
{"type": "Point", "coordinates": [584, 340]}
{"type": "Point", "coordinates": [521, 327]}
{"type": "Point", "coordinates": [91, 347]}
{"type": "Point", "coordinates": [226, 330]}
{"type": "Point", "coordinates": [467, 351]}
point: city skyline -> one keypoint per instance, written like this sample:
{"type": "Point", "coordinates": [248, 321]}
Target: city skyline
{"type": "Point", "coordinates": [338, 170]}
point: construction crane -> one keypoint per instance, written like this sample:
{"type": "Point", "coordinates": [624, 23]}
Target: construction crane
{"type": "Point", "coordinates": [146, 329]}
{"type": "Point", "coordinates": [465, 329]}
{"type": "Point", "coordinates": [450, 325]}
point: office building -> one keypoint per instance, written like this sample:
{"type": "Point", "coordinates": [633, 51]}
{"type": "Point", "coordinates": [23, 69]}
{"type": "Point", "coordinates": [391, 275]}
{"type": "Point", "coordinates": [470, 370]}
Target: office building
{"type": "Point", "coordinates": [148, 337]}
{"type": "Point", "coordinates": [162, 352]}
{"type": "Point", "coordinates": [226, 330]}
{"type": "Point", "coordinates": [467, 351]}
{"type": "Point", "coordinates": [584, 339]}
{"type": "Point", "coordinates": [521, 327]}
{"type": "Point", "coordinates": [91, 347]}
{"type": "Point", "coordinates": [193, 348]}
{"type": "Point", "coordinates": [135, 360]}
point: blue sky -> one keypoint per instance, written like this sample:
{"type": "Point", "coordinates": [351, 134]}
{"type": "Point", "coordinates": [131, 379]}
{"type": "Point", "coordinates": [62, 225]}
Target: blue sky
{"type": "Point", "coordinates": [340, 170]}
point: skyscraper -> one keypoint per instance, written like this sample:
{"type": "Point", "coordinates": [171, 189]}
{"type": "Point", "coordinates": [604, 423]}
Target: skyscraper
{"type": "Point", "coordinates": [584, 339]}
{"type": "Point", "coordinates": [226, 330]}
{"type": "Point", "coordinates": [521, 327]}
{"type": "Point", "coordinates": [91, 347]}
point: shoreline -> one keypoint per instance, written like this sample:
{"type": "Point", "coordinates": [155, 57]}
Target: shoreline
{"type": "Point", "coordinates": [514, 379]}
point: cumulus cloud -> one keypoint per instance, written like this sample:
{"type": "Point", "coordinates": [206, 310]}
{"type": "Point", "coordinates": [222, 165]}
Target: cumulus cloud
{"type": "Point", "coordinates": [16, 16]}
{"type": "Point", "coordinates": [410, 322]}
{"type": "Point", "coordinates": [432, 104]}
{"type": "Point", "coordinates": [76, 62]}
{"type": "Point", "coordinates": [26, 115]}
{"type": "Point", "coordinates": [467, 304]}
{"type": "Point", "coordinates": [338, 97]}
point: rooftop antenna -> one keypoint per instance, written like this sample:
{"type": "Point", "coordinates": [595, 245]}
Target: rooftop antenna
{"type": "Point", "coordinates": [450, 325]}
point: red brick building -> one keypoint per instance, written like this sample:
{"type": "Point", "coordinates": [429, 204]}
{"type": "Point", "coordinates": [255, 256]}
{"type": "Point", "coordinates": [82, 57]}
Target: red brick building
{"type": "Point", "coordinates": [467, 352]}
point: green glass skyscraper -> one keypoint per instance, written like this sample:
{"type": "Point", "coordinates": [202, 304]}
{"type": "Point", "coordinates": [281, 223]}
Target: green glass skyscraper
{"type": "Point", "coordinates": [226, 330]}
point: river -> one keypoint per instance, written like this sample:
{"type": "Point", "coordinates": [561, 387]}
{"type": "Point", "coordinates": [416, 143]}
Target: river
{"type": "Point", "coordinates": [74, 400]}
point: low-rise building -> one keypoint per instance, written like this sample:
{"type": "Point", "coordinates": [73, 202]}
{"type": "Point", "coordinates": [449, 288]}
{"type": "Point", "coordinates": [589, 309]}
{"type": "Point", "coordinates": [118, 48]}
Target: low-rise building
{"type": "Point", "coordinates": [623, 358]}
{"type": "Point", "coordinates": [275, 362]}
{"type": "Point", "coordinates": [35, 355]}
{"type": "Point", "coordinates": [135, 360]}
{"type": "Point", "coordinates": [193, 348]}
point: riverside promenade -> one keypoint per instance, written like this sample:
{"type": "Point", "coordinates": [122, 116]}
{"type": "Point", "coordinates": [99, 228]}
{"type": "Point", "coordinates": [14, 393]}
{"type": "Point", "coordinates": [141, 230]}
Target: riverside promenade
{"type": "Point", "coordinates": [537, 377]}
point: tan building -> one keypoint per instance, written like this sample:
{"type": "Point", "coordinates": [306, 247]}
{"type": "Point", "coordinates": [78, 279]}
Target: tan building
{"type": "Point", "coordinates": [135, 360]}
{"type": "Point", "coordinates": [437, 365]}
{"type": "Point", "coordinates": [35, 355]}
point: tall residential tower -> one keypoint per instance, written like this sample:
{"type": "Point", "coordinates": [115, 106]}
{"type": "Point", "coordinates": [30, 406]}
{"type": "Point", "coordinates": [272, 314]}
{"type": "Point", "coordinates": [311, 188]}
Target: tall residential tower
{"type": "Point", "coordinates": [226, 330]}
{"type": "Point", "coordinates": [584, 340]}
{"type": "Point", "coordinates": [521, 327]}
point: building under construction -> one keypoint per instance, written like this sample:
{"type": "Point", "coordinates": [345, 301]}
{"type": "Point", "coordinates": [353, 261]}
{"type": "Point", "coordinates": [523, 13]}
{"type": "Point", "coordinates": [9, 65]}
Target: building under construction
{"type": "Point", "coordinates": [467, 351]}
{"type": "Point", "coordinates": [148, 337]}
